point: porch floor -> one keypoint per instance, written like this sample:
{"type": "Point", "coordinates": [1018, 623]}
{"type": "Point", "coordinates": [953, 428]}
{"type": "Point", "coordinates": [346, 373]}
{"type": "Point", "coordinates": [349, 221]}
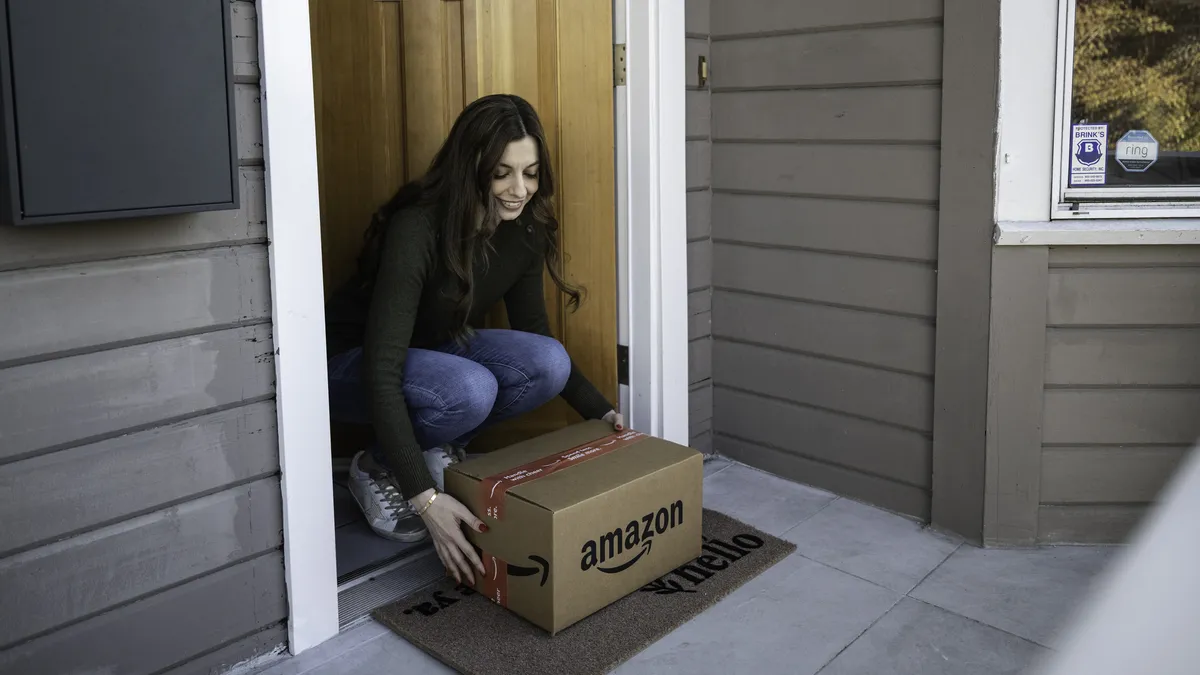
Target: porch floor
{"type": "Point", "coordinates": [866, 592]}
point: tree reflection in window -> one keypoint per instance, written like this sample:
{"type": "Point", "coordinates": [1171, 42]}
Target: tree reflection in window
{"type": "Point", "coordinates": [1137, 66]}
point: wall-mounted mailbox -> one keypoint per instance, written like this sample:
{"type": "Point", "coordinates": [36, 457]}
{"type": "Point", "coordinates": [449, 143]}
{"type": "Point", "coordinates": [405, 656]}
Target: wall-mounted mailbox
{"type": "Point", "coordinates": [115, 109]}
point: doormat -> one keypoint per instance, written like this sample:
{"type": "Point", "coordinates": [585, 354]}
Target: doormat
{"type": "Point", "coordinates": [462, 629]}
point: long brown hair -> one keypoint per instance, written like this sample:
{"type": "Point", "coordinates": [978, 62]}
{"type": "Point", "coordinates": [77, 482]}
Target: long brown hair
{"type": "Point", "coordinates": [459, 182]}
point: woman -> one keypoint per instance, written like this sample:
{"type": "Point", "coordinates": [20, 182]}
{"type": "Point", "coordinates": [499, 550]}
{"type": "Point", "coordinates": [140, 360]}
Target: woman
{"type": "Point", "coordinates": [476, 229]}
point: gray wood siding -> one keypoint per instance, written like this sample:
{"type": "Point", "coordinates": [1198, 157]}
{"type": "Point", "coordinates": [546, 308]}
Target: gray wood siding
{"type": "Point", "coordinates": [699, 227]}
{"type": "Point", "coordinates": [1121, 385]}
{"type": "Point", "coordinates": [767, 16]}
{"type": "Point", "coordinates": [48, 406]}
{"type": "Point", "coordinates": [139, 467]}
{"type": "Point", "coordinates": [171, 293]}
{"type": "Point", "coordinates": [224, 607]}
{"type": "Point", "coordinates": [137, 557]}
{"type": "Point", "coordinates": [174, 463]}
{"type": "Point", "coordinates": [825, 125]}
{"type": "Point", "coordinates": [43, 246]}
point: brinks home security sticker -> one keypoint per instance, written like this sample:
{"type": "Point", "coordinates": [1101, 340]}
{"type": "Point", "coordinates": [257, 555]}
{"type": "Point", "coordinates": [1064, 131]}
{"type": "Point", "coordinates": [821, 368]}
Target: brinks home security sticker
{"type": "Point", "coordinates": [1089, 154]}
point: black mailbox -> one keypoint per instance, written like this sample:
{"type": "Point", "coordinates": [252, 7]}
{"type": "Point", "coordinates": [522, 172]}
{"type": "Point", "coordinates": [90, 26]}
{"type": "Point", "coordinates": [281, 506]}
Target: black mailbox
{"type": "Point", "coordinates": [115, 108]}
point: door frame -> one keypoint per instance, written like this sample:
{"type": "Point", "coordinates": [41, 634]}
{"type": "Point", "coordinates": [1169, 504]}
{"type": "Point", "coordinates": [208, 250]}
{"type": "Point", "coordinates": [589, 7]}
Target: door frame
{"type": "Point", "coordinates": [652, 269]}
{"type": "Point", "coordinates": [651, 160]}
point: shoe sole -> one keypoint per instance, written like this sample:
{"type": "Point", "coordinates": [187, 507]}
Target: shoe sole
{"type": "Point", "coordinates": [402, 538]}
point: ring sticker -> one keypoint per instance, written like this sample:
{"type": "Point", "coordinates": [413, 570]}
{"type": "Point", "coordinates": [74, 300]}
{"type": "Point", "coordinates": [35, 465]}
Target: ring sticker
{"type": "Point", "coordinates": [1136, 151]}
{"type": "Point", "coordinates": [1089, 153]}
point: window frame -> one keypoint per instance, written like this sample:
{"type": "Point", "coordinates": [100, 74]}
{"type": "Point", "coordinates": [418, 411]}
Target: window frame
{"type": "Point", "coordinates": [1100, 202]}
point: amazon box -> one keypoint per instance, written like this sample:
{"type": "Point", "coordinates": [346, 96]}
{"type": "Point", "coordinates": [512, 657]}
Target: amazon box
{"type": "Point", "coordinates": [580, 518]}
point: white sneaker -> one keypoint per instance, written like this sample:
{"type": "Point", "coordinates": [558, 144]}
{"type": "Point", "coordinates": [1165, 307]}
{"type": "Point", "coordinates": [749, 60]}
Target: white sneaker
{"type": "Point", "coordinates": [439, 458]}
{"type": "Point", "coordinates": [387, 511]}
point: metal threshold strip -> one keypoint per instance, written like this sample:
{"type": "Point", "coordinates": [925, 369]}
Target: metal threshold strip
{"type": "Point", "coordinates": [373, 587]}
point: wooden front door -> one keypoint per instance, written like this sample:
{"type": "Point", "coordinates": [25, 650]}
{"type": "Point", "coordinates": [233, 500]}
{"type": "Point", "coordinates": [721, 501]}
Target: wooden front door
{"type": "Point", "coordinates": [390, 79]}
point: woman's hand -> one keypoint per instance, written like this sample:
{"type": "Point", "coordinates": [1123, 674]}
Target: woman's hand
{"type": "Point", "coordinates": [444, 518]}
{"type": "Point", "coordinates": [616, 419]}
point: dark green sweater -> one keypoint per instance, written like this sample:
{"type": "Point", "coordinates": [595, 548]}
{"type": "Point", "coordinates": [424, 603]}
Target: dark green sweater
{"type": "Point", "coordinates": [411, 306]}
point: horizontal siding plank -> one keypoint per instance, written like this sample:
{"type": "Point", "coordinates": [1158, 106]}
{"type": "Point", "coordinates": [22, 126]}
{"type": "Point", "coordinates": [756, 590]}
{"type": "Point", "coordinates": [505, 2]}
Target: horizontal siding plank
{"type": "Point", "coordinates": [700, 360]}
{"type": "Point", "coordinates": [699, 164]}
{"type": "Point", "coordinates": [699, 264]}
{"type": "Point", "coordinates": [702, 442]}
{"type": "Point", "coordinates": [737, 17]}
{"type": "Point", "coordinates": [699, 325]}
{"type": "Point", "coordinates": [248, 106]}
{"type": "Point", "coordinates": [1125, 356]}
{"type": "Point", "coordinates": [72, 307]}
{"type": "Point", "coordinates": [880, 395]}
{"type": "Point", "coordinates": [895, 172]}
{"type": "Point", "coordinates": [885, 285]}
{"type": "Point", "coordinates": [84, 575]}
{"type": "Point", "coordinates": [1088, 524]}
{"type": "Point", "coordinates": [1124, 256]}
{"type": "Point", "coordinates": [699, 214]}
{"type": "Point", "coordinates": [897, 343]}
{"type": "Point", "coordinates": [266, 642]}
{"type": "Point", "coordinates": [245, 41]}
{"type": "Point", "coordinates": [699, 428]}
{"type": "Point", "coordinates": [695, 48]}
{"type": "Point", "coordinates": [1125, 297]}
{"type": "Point", "coordinates": [699, 314]}
{"type": "Point", "coordinates": [870, 114]}
{"type": "Point", "coordinates": [695, 16]}
{"type": "Point", "coordinates": [700, 403]}
{"type": "Point", "coordinates": [887, 494]}
{"type": "Point", "coordinates": [219, 608]}
{"type": "Point", "coordinates": [699, 113]}
{"type": "Point", "coordinates": [1107, 475]}
{"type": "Point", "coordinates": [69, 491]}
{"type": "Point", "coordinates": [889, 55]}
{"type": "Point", "coordinates": [25, 247]}
{"type": "Point", "coordinates": [860, 445]}
{"type": "Point", "coordinates": [868, 228]}
{"type": "Point", "coordinates": [45, 405]}
{"type": "Point", "coordinates": [1128, 416]}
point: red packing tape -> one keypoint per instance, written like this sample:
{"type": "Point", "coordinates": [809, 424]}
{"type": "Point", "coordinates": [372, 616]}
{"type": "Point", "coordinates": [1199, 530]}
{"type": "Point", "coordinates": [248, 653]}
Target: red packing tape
{"type": "Point", "coordinates": [495, 487]}
{"type": "Point", "coordinates": [494, 584]}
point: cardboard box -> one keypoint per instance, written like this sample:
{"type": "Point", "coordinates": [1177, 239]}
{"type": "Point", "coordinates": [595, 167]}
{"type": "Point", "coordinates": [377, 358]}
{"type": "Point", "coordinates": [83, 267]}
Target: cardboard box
{"type": "Point", "coordinates": [580, 518]}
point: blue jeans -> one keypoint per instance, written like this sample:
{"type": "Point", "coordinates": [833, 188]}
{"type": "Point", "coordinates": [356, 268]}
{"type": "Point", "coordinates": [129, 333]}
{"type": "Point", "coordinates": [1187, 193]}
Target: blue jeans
{"type": "Point", "coordinates": [454, 392]}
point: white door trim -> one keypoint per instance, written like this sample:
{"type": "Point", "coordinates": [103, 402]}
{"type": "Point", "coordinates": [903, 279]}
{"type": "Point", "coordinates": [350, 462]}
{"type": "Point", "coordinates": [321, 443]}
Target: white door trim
{"type": "Point", "coordinates": [652, 204]}
{"type": "Point", "coordinates": [652, 212]}
{"type": "Point", "coordinates": [298, 313]}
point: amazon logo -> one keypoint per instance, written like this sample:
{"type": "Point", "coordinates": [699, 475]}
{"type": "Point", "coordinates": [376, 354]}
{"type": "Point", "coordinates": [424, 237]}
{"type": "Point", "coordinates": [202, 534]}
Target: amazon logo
{"type": "Point", "coordinates": [638, 535]}
{"type": "Point", "coordinates": [541, 567]}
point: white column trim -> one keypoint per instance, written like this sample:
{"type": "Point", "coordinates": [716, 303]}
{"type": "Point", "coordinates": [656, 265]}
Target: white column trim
{"type": "Point", "coordinates": [655, 185]}
{"type": "Point", "coordinates": [298, 313]}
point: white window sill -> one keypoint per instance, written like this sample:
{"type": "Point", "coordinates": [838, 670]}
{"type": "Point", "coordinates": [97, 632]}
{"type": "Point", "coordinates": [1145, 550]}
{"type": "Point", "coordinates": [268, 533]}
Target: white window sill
{"type": "Point", "coordinates": [1150, 232]}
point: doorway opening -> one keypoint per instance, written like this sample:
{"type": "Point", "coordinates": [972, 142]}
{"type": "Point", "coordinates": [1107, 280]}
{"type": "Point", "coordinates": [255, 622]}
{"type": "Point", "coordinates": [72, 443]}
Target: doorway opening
{"type": "Point", "coordinates": [389, 80]}
{"type": "Point", "coordinates": [406, 102]}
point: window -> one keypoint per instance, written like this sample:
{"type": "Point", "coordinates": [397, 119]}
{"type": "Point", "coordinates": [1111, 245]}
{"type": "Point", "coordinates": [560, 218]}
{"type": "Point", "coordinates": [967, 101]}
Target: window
{"type": "Point", "coordinates": [1128, 102]}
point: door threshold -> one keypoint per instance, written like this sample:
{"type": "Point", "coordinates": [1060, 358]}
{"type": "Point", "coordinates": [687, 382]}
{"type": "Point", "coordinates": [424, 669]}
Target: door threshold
{"type": "Point", "coordinates": [366, 590]}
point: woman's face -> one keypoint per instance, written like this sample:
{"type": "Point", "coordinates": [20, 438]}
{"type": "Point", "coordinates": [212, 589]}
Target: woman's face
{"type": "Point", "coordinates": [515, 179]}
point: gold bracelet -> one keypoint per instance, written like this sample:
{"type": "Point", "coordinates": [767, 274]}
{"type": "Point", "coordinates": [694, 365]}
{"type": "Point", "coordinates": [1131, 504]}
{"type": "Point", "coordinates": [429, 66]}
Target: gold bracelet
{"type": "Point", "coordinates": [428, 504]}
